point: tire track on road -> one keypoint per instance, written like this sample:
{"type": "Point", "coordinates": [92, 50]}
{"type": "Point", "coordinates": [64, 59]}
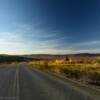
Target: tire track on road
{"type": "Point", "coordinates": [16, 84]}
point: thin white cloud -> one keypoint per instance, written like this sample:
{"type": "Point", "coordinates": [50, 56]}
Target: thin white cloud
{"type": "Point", "coordinates": [88, 51]}
{"type": "Point", "coordinates": [93, 42]}
{"type": "Point", "coordinates": [30, 40]}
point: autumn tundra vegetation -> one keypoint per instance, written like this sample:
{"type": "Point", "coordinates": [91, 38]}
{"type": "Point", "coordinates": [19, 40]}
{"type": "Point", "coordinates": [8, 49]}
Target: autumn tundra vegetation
{"type": "Point", "coordinates": [84, 69]}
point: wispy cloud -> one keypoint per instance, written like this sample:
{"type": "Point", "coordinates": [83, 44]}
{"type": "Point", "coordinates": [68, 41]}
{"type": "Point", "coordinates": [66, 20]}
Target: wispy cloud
{"type": "Point", "coordinates": [27, 39]}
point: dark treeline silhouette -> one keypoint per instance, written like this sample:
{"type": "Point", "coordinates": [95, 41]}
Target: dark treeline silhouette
{"type": "Point", "coordinates": [10, 59]}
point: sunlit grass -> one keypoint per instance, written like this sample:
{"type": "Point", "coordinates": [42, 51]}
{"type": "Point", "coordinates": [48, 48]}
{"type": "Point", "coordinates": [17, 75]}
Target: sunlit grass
{"type": "Point", "coordinates": [86, 72]}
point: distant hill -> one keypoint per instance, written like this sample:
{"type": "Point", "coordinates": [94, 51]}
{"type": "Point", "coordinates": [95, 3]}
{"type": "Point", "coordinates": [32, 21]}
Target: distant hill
{"type": "Point", "coordinates": [87, 54]}
{"type": "Point", "coordinates": [10, 58]}
{"type": "Point", "coordinates": [52, 56]}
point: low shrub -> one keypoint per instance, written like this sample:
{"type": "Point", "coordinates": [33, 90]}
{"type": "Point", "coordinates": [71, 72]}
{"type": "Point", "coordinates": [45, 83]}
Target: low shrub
{"type": "Point", "coordinates": [94, 78]}
{"type": "Point", "coordinates": [72, 73]}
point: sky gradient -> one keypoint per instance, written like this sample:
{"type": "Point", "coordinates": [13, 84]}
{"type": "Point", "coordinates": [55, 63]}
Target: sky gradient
{"type": "Point", "coordinates": [49, 26]}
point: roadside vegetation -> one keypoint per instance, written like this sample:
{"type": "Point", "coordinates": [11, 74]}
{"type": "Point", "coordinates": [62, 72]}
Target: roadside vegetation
{"type": "Point", "coordinates": [86, 72]}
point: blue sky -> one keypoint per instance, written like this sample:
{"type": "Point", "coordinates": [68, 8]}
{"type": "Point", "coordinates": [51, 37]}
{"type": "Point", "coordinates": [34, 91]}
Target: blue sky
{"type": "Point", "coordinates": [49, 26]}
